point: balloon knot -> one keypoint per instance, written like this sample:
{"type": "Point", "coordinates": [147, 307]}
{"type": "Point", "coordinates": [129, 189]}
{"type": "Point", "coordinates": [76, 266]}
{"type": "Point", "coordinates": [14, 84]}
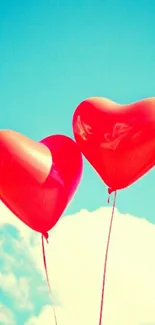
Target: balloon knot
{"type": "Point", "coordinates": [110, 190]}
{"type": "Point", "coordinates": [45, 235]}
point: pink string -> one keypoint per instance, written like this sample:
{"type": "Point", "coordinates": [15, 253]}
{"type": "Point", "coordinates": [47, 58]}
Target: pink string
{"type": "Point", "coordinates": [105, 261]}
{"type": "Point", "coordinates": [46, 272]}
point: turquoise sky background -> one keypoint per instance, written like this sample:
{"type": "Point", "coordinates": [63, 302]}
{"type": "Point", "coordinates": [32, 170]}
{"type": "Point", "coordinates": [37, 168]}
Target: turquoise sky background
{"type": "Point", "coordinates": [54, 54]}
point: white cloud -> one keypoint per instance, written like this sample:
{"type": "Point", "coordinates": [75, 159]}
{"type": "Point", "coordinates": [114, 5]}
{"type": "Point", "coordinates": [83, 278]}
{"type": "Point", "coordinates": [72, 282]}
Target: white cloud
{"type": "Point", "coordinates": [6, 316]}
{"type": "Point", "coordinates": [75, 258]}
{"type": "Point", "coordinates": [18, 289]}
{"type": "Point", "coordinates": [46, 317]}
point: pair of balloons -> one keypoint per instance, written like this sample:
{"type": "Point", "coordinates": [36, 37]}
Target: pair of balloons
{"type": "Point", "coordinates": [38, 180]}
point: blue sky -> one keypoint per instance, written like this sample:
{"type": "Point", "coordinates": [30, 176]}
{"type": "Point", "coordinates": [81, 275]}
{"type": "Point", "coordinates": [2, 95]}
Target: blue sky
{"type": "Point", "coordinates": [54, 54]}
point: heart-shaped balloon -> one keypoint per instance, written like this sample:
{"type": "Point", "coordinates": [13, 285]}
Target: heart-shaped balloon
{"type": "Point", "coordinates": [118, 140]}
{"type": "Point", "coordinates": [37, 180]}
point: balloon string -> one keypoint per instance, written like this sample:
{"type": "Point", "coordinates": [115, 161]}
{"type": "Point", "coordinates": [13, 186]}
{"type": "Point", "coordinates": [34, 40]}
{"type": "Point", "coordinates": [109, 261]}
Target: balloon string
{"type": "Point", "coordinates": [105, 262]}
{"type": "Point", "coordinates": [47, 277]}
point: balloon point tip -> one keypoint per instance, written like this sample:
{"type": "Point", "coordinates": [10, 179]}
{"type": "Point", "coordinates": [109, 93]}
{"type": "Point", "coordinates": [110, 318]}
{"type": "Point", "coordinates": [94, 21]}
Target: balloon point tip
{"type": "Point", "coordinates": [46, 236]}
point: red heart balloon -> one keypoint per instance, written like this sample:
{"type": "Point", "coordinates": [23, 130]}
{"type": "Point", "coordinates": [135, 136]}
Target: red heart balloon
{"type": "Point", "coordinates": [37, 180]}
{"type": "Point", "coordinates": [118, 140]}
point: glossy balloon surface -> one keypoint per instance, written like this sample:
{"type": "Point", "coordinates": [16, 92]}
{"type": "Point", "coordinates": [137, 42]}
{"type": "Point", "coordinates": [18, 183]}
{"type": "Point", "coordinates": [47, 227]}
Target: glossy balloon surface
{"type": "Point", "coordinates": [118, 140]}
{"type": "Point", "coordinates": [38, 180]}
